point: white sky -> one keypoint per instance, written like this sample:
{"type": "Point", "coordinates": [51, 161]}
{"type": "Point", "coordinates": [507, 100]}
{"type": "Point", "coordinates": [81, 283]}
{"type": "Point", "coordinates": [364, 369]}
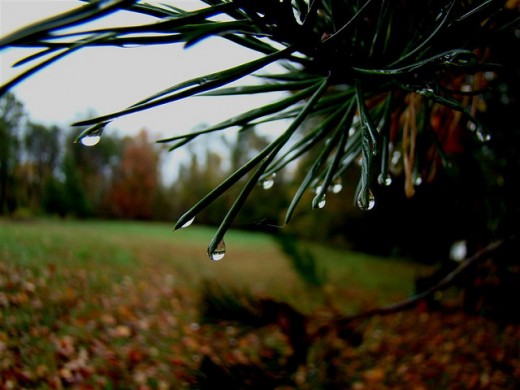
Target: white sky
{"type": "Point", "coordinates": [103, 80]}
{"type": "Point", "coordinates": [109, 79]}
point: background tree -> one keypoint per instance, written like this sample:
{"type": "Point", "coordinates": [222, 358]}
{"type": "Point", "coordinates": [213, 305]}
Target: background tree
{"type": "Point", "coordinates": [136, 179]}
{"type": "Point", "coordinates": [91, 171]}
{"type": "Point", "coordinates": [11, 118]}
{"type": "Point", "coordinates": [42, 151]}
{"type": "Point", "coordinates": [202, 171]}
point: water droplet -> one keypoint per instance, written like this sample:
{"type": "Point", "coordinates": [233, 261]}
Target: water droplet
{"type": "Point", "coordinates": [426, 92]}
{"type": "Point", "coordinates": [336, 186]}
{"type": "Point", "coordinates": [472, 126]}
{"type": "Point", "coordinates": [384, 179]}
{"type": "Point", "coordinates": [489, 75]}
{"type": "Point", "coordinates": [418, 181]}
{"type": "Point", "coordinates": [366, 204]}
{"type": "Point", "coordinates": [268, 182]}
{"type": "Point", "coordinates": [319, 202]}
{"type": "Point", "coordinates": [130, 45]}
{"type": "Point", "coordinates": [483, 136]}
{"type": "Point", "coordinates": [188, 223]}
{"type": "Point", "coordinates": [90, 140]}
{"type": "Point", "coordinates": [396, 157]}
{"type": "Point", "coordinates": [458, 250]}
{"type": "Point", "coordinates": [457, 58]}
{"type": "Point", "coordinates": [351, 131]}
{"type": "Point", "coordinates": [466, 88]}
{"type": "Point", "coordinates": [92, 135]}
{"type": "Point", "coordinates": [318, 189]}
{"type": "Point", "coordinates": [219, 252]}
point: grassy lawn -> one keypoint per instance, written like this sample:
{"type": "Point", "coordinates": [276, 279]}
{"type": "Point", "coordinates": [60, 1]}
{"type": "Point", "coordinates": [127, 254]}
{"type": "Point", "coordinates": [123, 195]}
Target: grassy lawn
{"type": "Point", "coordinates": [116, 305]}
{"type": "Point", "coordinates": [252, 261]}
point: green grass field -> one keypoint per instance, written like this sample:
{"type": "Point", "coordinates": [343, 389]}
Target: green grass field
{"type": "Point", "coordinates": [253, 260]}
{"type": "Point", "coordinates": [116, 305]}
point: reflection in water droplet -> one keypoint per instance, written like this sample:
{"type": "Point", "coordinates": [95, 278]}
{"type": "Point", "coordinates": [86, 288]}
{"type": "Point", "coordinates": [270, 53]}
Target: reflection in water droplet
{"type": "Point", "coordinates": [337, 186]}
{"type": "Point", "coordinates": [188, 223]}
{"type": "Point", "coordinates": [384, 179]}
{"type": "Point", "coordinates": [90, 140]}
{"type": "Point", "coordinates": [472, 126]}
{"type": "Point", "coordinates": [366, 204]}
{"type": "Point", "coordinates": [483, 136]}
{"type": "Point", "coordinates": [466, 88]}
{"type": "Point", "coordinates": [428, 92]}
{"type": "Point", "coordinates": [269, 182]}
{"type": "Point", "coordinates": [489, 75]}
{"type": "Point", "coordinates": [219, 252]}
{"type": "Point", "coordinates": [458, 250]}
{"type": "Point", "coordinates": [396, 157]}
{"type": "Point", "coordinates": [319, 202]}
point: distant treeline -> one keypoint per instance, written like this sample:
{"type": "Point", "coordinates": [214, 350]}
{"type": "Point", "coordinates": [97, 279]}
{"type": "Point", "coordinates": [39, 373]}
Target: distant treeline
{"type": "Point", "coordinates": [44, 172]}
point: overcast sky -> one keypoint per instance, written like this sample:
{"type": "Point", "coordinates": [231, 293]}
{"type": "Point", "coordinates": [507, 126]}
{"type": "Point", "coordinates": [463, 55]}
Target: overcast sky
{"type": "Point", "coordinates": [107, 79]}
{"type": "Point", "coordinates": [103, 80]}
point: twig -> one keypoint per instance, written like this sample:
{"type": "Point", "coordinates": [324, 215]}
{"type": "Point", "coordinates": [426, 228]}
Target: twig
{"type": "Point", "coordinates": [446, 282]}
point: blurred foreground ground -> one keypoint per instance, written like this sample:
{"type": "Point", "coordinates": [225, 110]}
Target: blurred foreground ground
{"type": "Point", "coordinates": [82, 308]}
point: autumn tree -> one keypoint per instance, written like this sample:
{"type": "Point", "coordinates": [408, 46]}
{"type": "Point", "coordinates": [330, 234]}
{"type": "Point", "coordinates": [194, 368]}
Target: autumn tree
{"type": "Point", "coordinates": [136, 179]}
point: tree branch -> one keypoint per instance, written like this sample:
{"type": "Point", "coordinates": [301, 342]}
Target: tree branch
{"type": "Point", "coordinates": [446, 282]}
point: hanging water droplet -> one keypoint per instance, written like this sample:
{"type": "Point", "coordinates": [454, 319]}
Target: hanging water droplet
{"type": "Point", "coordinates": [466, 88]}
{"type": "Point", "coordinates": [336, 186]}
{"type": "Point", "coordinates": [318, 189]}
{"type": "Point", "coordinates": [268, 182]}
{"type": "Point", "coordinates": [319, 202]}
{"type": "Point", "coordinates": [428, 92]}
{"type": "Point", "coordinates": [90, 140]}
{"type": "Point", "coordinates": [457, 58]}
{"type": "Point", "coordinates": [483, 136]}
{"type": "Point", "coordinates": [384, 179]}
{"type": "Point", "coordinates": [130, 45]}
{"type": "Point", "coordinates": [489, 75]}
{"type": "Point", "coordinates": [396, 157]}
{"type": "Point", "coordinates": [458, 250]}
{"type": "Point", "coordinates": [92, 135]}
{"type": "Point", "coordinates": [418, 181]}
{"type": "Point", "coordinates": [219, 252]}
{"type": "Point", "coordinates": [472, 126]}
{"type": "Point", "coordinates": [188, 223]}
{"type": "Point", "coordinates": [366, 204]}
